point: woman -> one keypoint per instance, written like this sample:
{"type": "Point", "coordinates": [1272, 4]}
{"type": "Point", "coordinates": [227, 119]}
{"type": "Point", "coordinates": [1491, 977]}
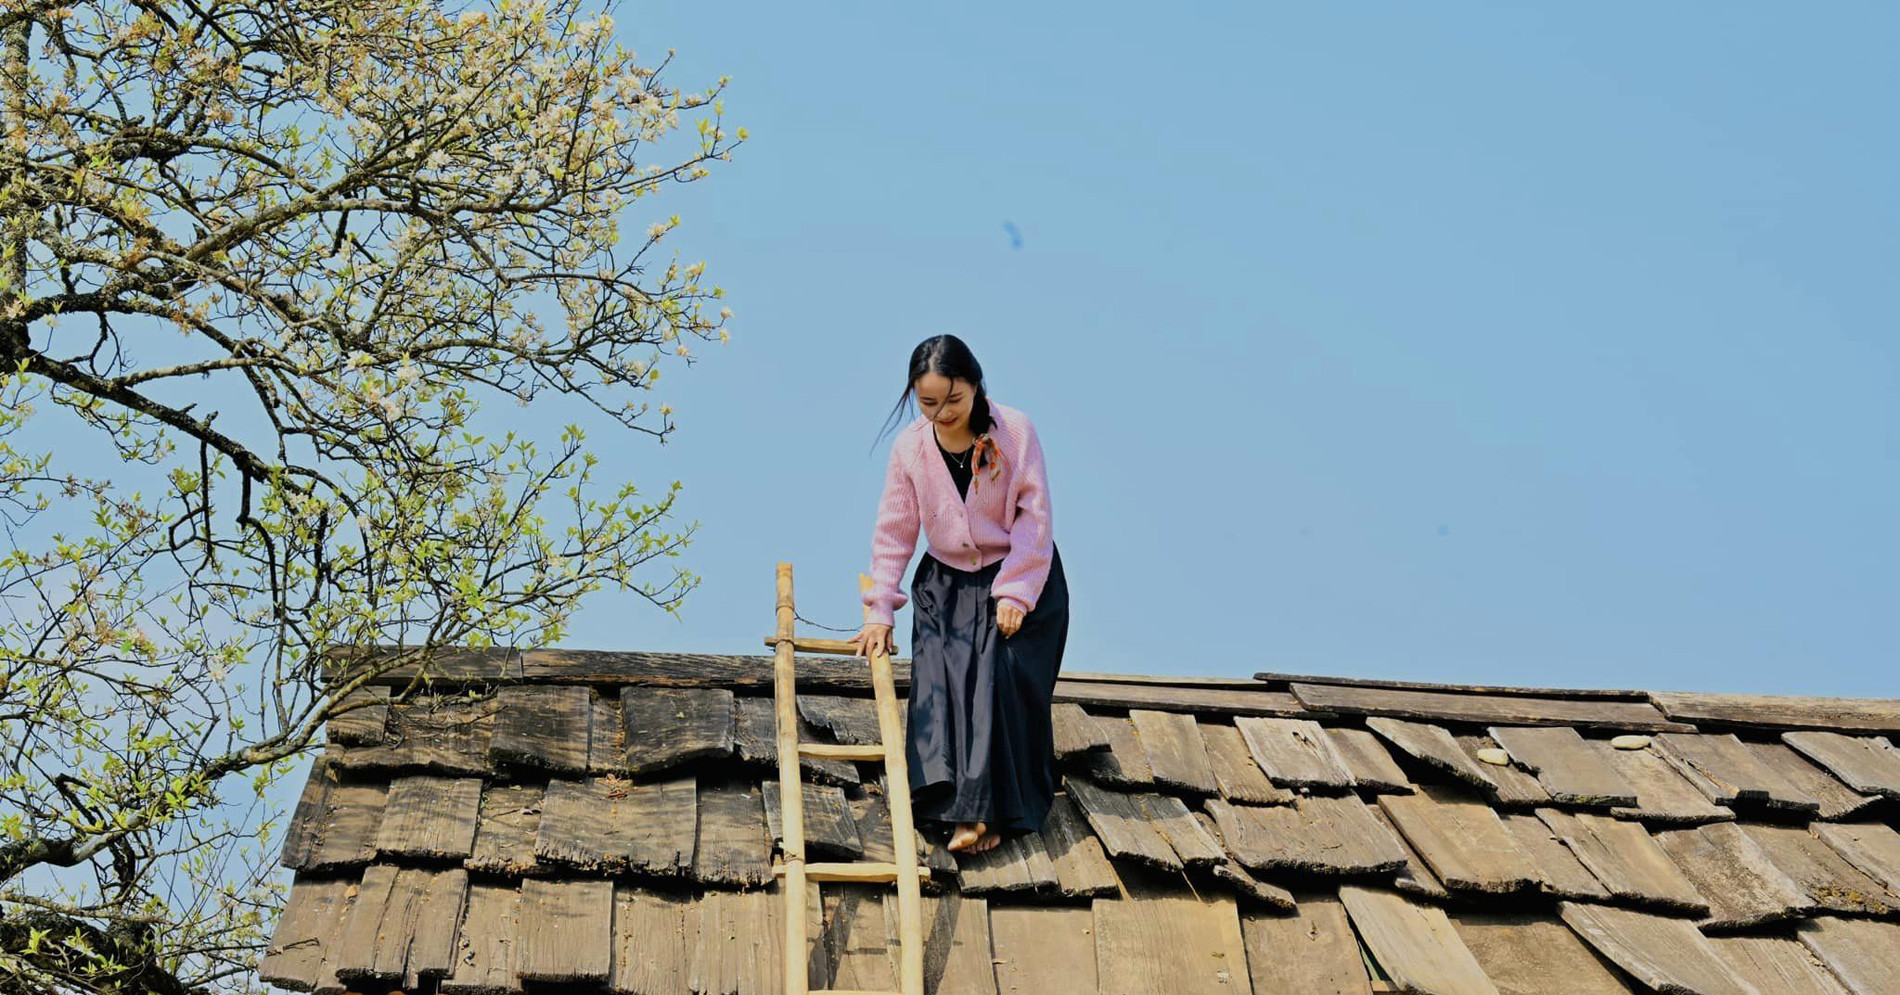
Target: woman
{"type": "Point", "coordinates": [991, 611]}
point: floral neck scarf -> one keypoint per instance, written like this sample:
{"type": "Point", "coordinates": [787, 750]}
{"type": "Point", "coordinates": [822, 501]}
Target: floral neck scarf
{"type": "Point", "coordinates": [996, 458]}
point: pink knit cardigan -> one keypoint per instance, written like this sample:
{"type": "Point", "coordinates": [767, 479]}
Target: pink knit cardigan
{"type": "Point", "coordinates": [1004, 517]}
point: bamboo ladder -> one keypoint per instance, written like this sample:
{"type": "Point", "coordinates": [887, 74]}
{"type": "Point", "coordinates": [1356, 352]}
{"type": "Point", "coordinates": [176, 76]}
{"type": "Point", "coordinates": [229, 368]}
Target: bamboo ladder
{"type": "Point", "coordinates": [793, 871]}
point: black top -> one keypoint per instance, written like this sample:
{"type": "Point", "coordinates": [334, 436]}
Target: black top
{"type": "Point", "coordinates": [959, 473]}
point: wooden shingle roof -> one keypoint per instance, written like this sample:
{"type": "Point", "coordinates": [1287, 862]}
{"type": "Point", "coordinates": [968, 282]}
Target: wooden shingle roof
{"type": "Point", "coordinates": [606, 822]}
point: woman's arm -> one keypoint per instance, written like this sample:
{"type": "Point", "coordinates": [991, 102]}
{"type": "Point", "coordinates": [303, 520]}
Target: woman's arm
{"type": "Point", "coordinates": [893, 540]}
{"type": "Point", "coordinates": [1031, 536]}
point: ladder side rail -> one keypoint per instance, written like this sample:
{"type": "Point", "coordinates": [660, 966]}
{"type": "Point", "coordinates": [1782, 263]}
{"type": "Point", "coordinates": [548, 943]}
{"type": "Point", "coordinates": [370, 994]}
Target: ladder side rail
{"type": "Point", "coordinates": [903, 833]}
{"type": "Point", "coordinates": [790, 793]}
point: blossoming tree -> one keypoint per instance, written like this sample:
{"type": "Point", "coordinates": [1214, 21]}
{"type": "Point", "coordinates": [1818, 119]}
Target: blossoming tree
{"type": "Point", "coordinates": [260, 266]}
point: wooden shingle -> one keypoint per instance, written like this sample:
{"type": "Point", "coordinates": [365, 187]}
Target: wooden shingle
{"type": "Point", "coordinates": [1372, 768]}
{"type": "Point", "coordinates": [545, 726]}
{"type": "Point", "coordinates": [444, 734]}
{"type": "Point", "coordinates": [1239, 778]}
{"type": "Point", "coordinates": [1177, 755]}
{"type": "Point", "coordinates": [429, 816]}
{"type": "Point", "coordinates": [1019, 863]}
{"type": "Point", "coordinates": [404, 925]}
{"type": "Point", "coordinates": [1479, 709]}
{"type": "Point", "coordinates": [1043, 948]}
{"type": "Point", "coordinates": [1533, 955]}
{"type": "Point", "coordinates": [1667, 954]}
{"type": "Point", "coordinates": [1729, 773]}
{"type": "Point", "coordinates": [1835, 800]}
{"type": "Point", "coordinates": [1075, 730]}
{"type": "Point", "coordinates": [1295, 753]}
{"type": "Point", "coordinates": [1415, 943]}
{"type": "Point", "coordinates": [485, 954]}
{"type": "Point", "coordinates": [650, 940]}
{"type": "Point", "coordinates": [1511, 785]}
{"type": "Point", "coordinates": [1873, 848]}
{"type": "Point", "coordinates": [564, 929]}
{"type": "Point", "coordinates": [1318, 834]}
{"type": "Point", "coordinates": [505, 831]}
{"type": "Point", "coordinates": [1432, 745]}
{"type": "Point", "coordinates": [755, 739]}
{"type": "Point", "coordinates": [362, 717]}
{"type": "Point", "coordinates": [1868, 764]}
{"type": "Point", "coordinates": [1461, 840]}
{"type": "Point", "coordinates": [1236, 876]}
{"type": "Point", "coordinates": [1744, 888]}
{"type": "Point", "coordinates": [303, 946]}
{"type": "Point", "coordinates": [830, 828]}
{"type": "Point", "coordinates": [352, 817]}
{"type": "Point", "coordinates": [669, 726]}
{"type": "Point", "coordinates": [1311, 952]}
{"type": "Point", "coordinates": [1572, 772]}
{"type": "Point", "coordinates": [610, 825]}
{"type": "Point", "coordinates": [734, 846]}
{"type": "Point", "coordinates": [1564, 875]}
{"type": "Point", "coordinates": [1625, 859]}
{"type": "Point", "coordinates": [1663, 796]}
{"type": "Point", "coordinates": [1879, 715]}
{"type": "Point", "coordinates": [1121, 823]}
{"type": "Point", "coordinates": [1125, 763]}
{"type": "Point", "coordinates": [1777, 964]}
{"type": "Point", "coordinates": [1864, 954]}
{"type": "Point", "coordinates": [1160, 938]}
{"type": "Point", "coordinates": [1827, 877]}
{"type": "Point", "coordinates": [1082, 869]}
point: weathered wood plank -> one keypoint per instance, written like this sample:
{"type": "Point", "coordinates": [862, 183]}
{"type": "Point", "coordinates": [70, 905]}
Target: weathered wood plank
{"type": "Point", "coordinates": [1532, 955]}
{"type": "Point", "coordinates": [1170, 817]}
{"type": "Point", "coordinates": [1121, 823]}
{"type": "Point", "coordinates": [1863, 954]}
{"type": "Point", "coordinates": [958, 956]}
{"type": "Point", "coordinates": [1511, 786]}
{"type": "Point", "coordinates": [1082, 869]}
{"type": "Point", "coordinates": [445, 734]}
{"type": "Point", "coordinates": [1873, 848]}
{"type": "Point", "coordinates": [1320, 834]}
{"type": "Point", "coordinates": [306, 821]}
{"type": "Point", "coordinates": [1780, 711]}
{"type": "Point", "coordinates": [1075, 731]}
{"type": "Point", "coordinates": [1564, 875]}
{"type": "Point", "coordinates": [1049, 948]}
{"type": "Point", "coordinates": [1372, 768]}
{"type": "Point", "coordinates": [1415, 878]}
{"type": "Point", "coordinates": [1625, 859]}
{"type": "Point", "coordinates": [1565, 765]}
{"type": "Point", "coordinates": [1669, 955]}
{"type": "Point", "coordinates": [564, 930]}
{"type": "Point", "coordinates": [1311, 952]}
{"type": "Point", "coordinates": [650, 941]}
{"type": "Point", "coordinates": [1777, 964]}
{"type": "Point", "coordinates": [1833, 883]}
{"type": "Point", "coordinates": [1868, 764]}
{"type": "Point", "coordinates": [860, 949]}
{"type": "Point", "coordinates": [1836, 800]}
{"type": "Point", "coordinates": [303, 946]}
{"type": "Point", "coordinates": [606, 735]}
{"type": "Point", "coordinates": [848, 719]}
{"type": "Point", "coordinates": [1019, 863]}
{"type": "Point", "coordinates": [1663, 796]}
{"type": "Point", "coordinates": [1434, 746]}
{"type": "Point", "coordinates": [1729, 773]}
{"type": "Point", "coordinates": [505, 832]}
{"type": "Point", "coordinates": [734, 845]}
{"type": "Point", "coordinates": [1125, 763]}
{"type": "Point", "coordinates": [872, 814]}
{"type": "Point", "coordinates": [353, 815]}
{"type": "Point", "coordinates": [485, 955]}
{"type": "Point", "coordinates": [1440, 706]}
{"type": "Point", "coordinates": [669, 726]}
{"type": "Point", "coordinates": [1295, 753]}
{"type": "Point", "coordinates": [607, 824]}
{"type": "Point", "coordinates": [1195, 700]}
{"type": "Point", "coordinates": [755, 738]}
{"type": "Point", "coordinates": [1461, 840]}
{"type": "Point", "coordinates": [1239, 778]}
{"type": "Point", "coordinates": [830, 828]}
{"type": "Point", "coordinates": [404, 925]}
{"type": "Point", "coordinates": [1235, 875]}
{"type": "Point", "coordinates": [430, 816]}
{"type": "Point", "coordinates": [1744, 888]}
{"type": "Point", "coordinates": [362, 717]}
{"type": "Point", "coordinates": [1468, 689]}
{"type": "Point", "coordinates": [1177, 755]}
{"type": "Point", "coordinates": [731, 945]}
{"type": "Point", "coordinates": [1414, 943]}
{"type": "Point", "coordinates": [1159, 938]}
{"type": "Point", "coordinates": [543, 726]}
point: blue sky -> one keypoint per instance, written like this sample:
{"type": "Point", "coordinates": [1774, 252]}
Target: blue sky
{"type": "Point", "coordinates": [1451, 342]}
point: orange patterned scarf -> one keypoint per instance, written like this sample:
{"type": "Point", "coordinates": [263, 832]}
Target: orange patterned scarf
{"type": "Point", "coordinates": [996, 457]}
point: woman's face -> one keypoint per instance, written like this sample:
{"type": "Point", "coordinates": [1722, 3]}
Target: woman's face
{"type": "Point", "coordinates": [944, 401]}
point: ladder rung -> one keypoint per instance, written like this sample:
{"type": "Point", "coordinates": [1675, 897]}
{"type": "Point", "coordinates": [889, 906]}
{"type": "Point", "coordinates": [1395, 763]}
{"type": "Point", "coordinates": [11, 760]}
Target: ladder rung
{"type": "Point", "coordinates": [863, 870]}
{"type": "Point", "coordinates": [834, 647]}
{"type": "Point", "coordinates": [843, 751]}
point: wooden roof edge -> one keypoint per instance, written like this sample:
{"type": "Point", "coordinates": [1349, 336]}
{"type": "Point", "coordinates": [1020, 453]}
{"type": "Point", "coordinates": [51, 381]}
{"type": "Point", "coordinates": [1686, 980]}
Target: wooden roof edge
{"type": "Point", "coordinates": [1780, 711]}
{"type": "Point", "coordinates": [1526, 692]}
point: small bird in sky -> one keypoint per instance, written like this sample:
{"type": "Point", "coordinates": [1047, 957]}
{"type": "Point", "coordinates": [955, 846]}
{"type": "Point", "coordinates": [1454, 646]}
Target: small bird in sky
{"type": "Point", "coordinates": [1015, 237]}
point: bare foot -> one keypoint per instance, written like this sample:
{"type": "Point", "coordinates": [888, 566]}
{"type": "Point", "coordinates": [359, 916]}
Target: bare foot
{"type": "Point", "coordinates": [965, 835]}
{"type": "Point", "coordinates": [987, 840]}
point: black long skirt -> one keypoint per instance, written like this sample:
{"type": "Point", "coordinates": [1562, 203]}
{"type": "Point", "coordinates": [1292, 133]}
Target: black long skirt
{"type": "Point", "coordinates": [979, 739]}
